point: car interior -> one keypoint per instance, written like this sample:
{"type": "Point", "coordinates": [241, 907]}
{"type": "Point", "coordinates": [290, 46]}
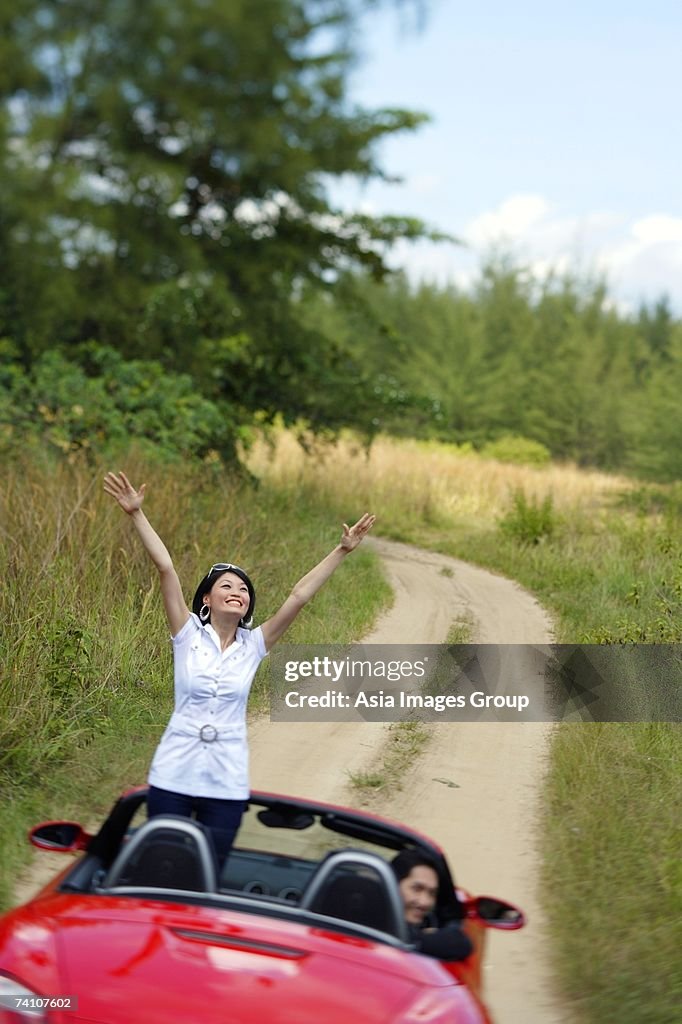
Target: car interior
{"type": "Point", "coordinates": [291, 859]}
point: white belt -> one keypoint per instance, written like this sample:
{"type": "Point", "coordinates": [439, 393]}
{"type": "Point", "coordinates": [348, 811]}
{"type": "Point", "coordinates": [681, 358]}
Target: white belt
{"type": "Point", "coordinates": [207, 732]}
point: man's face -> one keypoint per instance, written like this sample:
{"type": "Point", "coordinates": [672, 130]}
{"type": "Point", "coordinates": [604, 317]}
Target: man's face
{"type": "Point", "coordinates": [419, 890]}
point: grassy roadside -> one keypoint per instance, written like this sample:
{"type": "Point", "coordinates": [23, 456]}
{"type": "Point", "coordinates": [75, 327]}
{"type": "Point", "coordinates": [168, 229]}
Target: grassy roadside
{"type": "Point", "coordinates": [610, 559]}
{"type": "Point", "coordinates": [85, 662]}
{"type": "Point", "coordinates": [612, 869]}
{"type": "Point", "coordinates": [605, 557]}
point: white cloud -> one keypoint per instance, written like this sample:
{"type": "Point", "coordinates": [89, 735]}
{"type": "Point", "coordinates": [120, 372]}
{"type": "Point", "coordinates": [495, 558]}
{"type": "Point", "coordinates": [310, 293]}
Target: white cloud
{"type": "Point", "coordinates": [641, 258]}
{"type": "Point", "coordinates": [509, 221]}
{"type": "Point", "coordinates": [437, 263]}
{"type": "Point", "coordinates": [658, 228]}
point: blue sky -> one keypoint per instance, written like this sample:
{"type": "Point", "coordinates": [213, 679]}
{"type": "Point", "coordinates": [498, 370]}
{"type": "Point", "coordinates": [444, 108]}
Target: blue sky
{"type": "Point", "coordinates": [555, 134]}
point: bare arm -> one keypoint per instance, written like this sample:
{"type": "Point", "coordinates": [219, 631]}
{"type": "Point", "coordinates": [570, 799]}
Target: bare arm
{"type": "Point", "coordinates": [309, 584]}
{"type": "Point", "coordinates": [120, 488]}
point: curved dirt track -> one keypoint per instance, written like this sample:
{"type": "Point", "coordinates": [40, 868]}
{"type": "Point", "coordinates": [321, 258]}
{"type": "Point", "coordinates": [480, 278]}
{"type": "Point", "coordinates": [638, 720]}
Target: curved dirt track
{"type": "Point", "coordinates": [475, 787]}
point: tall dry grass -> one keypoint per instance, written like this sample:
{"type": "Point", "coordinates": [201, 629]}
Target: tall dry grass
{"type": "Point", "coordinates": [421, 479]}
{"type": "Point", "coordinates": [604, 566]}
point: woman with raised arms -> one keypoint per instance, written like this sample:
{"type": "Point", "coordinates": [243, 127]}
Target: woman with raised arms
{"type": "Point", "coordinates": [201, 763]}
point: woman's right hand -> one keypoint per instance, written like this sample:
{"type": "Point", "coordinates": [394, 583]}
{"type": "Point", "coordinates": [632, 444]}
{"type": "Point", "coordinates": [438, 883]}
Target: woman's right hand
{"type": "Point", "coordinates": [120, 488]}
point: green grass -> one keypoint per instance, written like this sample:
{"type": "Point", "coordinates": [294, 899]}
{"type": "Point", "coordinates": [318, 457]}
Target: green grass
{"type": "Point", "coordinates": [618, 578]}
{"type": "Point", "coordinates": [461, 630]}
{"type": "Point", "coordinates": [405, 742]}
{"type": "Point", "coordinates": [612, 870]}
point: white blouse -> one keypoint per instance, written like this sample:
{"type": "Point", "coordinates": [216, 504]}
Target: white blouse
{"type": "Point", "coordinates": [203, 751]}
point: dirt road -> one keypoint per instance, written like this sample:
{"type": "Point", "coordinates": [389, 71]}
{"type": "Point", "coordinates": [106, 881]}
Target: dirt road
{"type": "Point", "coordinates": [474, 789]}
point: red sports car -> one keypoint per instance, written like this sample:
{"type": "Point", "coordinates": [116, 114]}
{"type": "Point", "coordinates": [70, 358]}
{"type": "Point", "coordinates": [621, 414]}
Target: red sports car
{"type": "Point", "coordinates": [304, 924]}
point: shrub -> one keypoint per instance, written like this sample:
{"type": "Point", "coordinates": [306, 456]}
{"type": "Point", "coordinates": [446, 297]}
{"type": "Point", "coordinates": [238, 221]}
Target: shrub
{"type": "Point", "coordinates": [104, 401]}
{"type": "Point", "coordinates": [529, 520]}
{"type": "Point", "coordinates": [520, 450]}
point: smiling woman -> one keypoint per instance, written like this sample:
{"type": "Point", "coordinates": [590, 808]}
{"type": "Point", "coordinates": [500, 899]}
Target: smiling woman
{"type": "Point", "coordinates": [230, 586]}
{"type": "Point", "coordinates": [201, 763]}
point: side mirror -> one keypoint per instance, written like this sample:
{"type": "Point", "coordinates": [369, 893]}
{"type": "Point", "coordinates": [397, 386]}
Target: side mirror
{"type": "Point", "coordinates": [494, 913]}
{"type": "Point", "coordinates": [60, 836]}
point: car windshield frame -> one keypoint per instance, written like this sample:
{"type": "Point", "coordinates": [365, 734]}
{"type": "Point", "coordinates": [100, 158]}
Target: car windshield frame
{"type": "Point", "coordinates": [303, 826]}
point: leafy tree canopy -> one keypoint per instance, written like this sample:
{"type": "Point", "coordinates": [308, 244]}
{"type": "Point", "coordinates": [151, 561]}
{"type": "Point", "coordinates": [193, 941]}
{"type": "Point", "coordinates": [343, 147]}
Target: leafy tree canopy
{"type": "Point", "coordinates": [179, 140]}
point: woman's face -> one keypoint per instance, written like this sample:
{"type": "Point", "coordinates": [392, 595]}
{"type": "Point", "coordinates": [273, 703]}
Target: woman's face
{"type": "Point", "coordinates": [228, 595]}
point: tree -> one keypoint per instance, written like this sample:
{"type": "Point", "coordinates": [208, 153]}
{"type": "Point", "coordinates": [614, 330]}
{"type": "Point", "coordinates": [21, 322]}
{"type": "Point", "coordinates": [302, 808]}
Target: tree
{"type": "Point", "coordinates": [657, 417]}
{"type": "Point", "coordinates": [180, 141]}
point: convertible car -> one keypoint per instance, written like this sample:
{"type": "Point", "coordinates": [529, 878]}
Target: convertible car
{"type": "Point", "coordinates": [303, 923]}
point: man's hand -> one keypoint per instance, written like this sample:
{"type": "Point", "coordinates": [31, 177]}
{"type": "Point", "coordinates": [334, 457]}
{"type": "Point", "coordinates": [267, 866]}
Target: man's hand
{"type": "Point", "coordinates": [120, 488]}
{"type": "Point", "coordinates": [353, 535]}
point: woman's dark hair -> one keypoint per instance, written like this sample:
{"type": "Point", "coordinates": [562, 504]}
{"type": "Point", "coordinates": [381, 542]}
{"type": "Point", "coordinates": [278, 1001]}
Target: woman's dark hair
{"type": "Point", "coordinates": [207, 583]}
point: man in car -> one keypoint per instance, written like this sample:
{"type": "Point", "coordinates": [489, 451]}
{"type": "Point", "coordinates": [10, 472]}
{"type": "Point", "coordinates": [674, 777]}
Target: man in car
{"type": "Point", "coordinates": [418, 882]}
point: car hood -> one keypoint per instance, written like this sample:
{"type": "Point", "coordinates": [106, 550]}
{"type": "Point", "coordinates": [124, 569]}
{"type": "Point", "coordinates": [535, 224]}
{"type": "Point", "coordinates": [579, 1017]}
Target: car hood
{"type": "Point", "coordinates": [131, 959]}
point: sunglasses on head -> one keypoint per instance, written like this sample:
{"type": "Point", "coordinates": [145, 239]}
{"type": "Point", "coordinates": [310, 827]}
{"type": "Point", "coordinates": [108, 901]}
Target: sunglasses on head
{"type": "Point", "coordinates": [223, 567]}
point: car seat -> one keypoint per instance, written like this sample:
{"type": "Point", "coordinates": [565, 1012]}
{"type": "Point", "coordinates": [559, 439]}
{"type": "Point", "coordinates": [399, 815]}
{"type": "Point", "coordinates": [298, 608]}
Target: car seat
{"type": "Point", "coordinates": [358, 887]}
{"type": "Point", "coordinates": [167, 852]}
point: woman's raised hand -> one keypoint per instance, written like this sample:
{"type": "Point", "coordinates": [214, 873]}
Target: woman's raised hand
{"type": "Point", "coordinates": [353, 535]}
{"type": "Point", "coordinates": [120, 488]}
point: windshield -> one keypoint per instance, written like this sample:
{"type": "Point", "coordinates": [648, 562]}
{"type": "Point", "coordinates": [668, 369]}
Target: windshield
{"type": "Point", "coordinates": [309, 843]}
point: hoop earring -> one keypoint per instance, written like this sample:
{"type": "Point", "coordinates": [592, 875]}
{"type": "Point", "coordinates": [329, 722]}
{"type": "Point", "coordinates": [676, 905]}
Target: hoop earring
{"type": "Point", "coordinates": [204, 609]}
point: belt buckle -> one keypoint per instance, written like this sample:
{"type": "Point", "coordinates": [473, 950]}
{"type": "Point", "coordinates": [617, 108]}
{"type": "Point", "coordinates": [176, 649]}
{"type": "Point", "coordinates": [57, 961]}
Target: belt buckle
{"type": "Point", "coordinates": [208, 733]}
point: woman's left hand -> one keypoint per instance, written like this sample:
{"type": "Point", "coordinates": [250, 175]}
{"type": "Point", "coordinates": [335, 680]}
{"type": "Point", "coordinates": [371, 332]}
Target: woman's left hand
{"type": "Point", "coordinates": [353, 535]}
